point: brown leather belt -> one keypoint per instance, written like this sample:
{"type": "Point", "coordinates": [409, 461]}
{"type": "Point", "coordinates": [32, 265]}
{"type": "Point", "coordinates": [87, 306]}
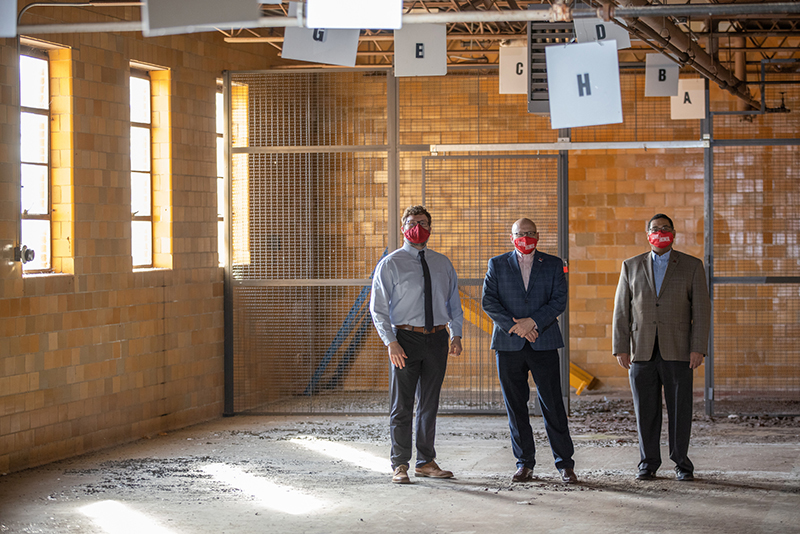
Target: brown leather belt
{"type": "Point", "coordinates": [420, 329]}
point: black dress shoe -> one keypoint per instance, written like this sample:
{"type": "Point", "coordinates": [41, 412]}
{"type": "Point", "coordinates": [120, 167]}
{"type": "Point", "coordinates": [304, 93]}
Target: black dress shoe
{"type": "Point", "coordinates": [568, 476]}
{"type": "Point", "coordinates": [645, 474]}
{"type": "Point", "coordinates": [523, 474]}
{"type": "Point", "coordinates": [683, 476]}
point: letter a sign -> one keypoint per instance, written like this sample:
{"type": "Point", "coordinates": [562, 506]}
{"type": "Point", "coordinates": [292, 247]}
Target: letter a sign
{"type": "Point", "coordinates": [583, 84]}
{"type": "Point", "coordinates": [691, 100]}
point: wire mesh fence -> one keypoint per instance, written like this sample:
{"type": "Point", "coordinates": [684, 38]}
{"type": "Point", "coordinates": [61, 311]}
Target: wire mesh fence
{"type": "Point", "coordinates": [757, 349]}
{"type": "Point", "coordinates": [309, 216]}
{"type": "Point", "coordinates": [757, 318]}
{"type": "Point", "coordinates": [310, 179]}
{"type": "Point", "coordinates": [474, 201]}
{"type": "Point", "coordinates": [309, 224]}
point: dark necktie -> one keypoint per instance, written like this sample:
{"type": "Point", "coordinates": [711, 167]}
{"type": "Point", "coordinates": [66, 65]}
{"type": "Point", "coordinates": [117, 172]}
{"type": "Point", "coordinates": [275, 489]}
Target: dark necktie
{"type": "Point", "coordinates": [426, 274]}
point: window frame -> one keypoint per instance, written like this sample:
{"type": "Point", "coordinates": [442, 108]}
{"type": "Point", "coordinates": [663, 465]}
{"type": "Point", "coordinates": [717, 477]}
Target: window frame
{"type": "Point", "coordinates": [40, 54]}
{"type": "Point", "coordinates": [221, 178]}
{"type": "Point", "coordinates": [144, 74]}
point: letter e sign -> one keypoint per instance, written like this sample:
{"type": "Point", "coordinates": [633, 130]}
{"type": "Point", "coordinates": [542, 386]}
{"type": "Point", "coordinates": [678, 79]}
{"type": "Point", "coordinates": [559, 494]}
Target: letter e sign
{"type": "Point", "coordinates": [420, 50]}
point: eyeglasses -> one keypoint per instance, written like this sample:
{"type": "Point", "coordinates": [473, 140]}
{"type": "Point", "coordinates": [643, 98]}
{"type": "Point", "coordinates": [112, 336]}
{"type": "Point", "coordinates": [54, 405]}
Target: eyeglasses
{"type": "Point", "coordinates": [659, 229]}
{"type": "Point", "coordinates": [524, 234]}
{"type": "Point", "coordinates": [412, 224]}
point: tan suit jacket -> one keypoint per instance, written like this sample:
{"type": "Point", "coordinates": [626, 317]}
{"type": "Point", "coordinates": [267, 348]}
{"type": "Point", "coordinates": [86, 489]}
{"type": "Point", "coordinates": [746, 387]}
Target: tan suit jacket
{"type": "Point", "coordinates": [680, 314]}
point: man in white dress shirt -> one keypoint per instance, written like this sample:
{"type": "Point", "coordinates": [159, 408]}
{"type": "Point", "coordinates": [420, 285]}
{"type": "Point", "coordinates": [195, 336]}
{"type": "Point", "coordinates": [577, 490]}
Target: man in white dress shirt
{"type": "Point", "coordinates": [414, 297]}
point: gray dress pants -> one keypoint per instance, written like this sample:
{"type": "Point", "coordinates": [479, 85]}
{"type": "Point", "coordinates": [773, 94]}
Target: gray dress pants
{"type": "Point", "coordinates": [421, 378]}
{"type": "Point", "coordinates": [647, 380]}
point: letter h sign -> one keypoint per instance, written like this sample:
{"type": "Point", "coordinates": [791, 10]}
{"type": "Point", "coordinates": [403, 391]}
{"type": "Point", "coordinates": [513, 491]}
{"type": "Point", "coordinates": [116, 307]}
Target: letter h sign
{"type": "Point", "coordinates": [583, 83]}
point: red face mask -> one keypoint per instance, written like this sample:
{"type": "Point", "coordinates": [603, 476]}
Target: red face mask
{"type": "Point", "coordinates": [661, 239]}
{"type": "Point", "coordinates": [417, 234]}
{"type": "Point", "coordinates": [525, 244]}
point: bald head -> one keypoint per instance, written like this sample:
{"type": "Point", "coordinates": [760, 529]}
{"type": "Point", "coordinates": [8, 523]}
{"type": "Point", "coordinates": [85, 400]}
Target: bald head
{"type": "Point", "coordinates": [523, 225]}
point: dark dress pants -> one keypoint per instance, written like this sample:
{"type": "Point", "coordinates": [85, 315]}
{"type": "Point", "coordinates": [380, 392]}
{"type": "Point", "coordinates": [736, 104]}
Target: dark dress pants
{"type": "Point", "coordinates": [647, 379]}
{"type": "Point", "coordinates": [422, 378]}
{"type": "Point", "coordinates": [512, 369]}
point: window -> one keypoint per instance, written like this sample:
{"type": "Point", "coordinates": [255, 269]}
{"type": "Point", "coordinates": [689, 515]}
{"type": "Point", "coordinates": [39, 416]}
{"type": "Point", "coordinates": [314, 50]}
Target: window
{"type": "Point", "coordinates": [151, 166]}
{"type": "Point", "coordinates": [141, 171]}
{"type": "Point", "coordinates": [240, 174]}
{"type": "Point", "coordinates": [34, 76]}
{"type": "Point", "coordinates": [221, 165]}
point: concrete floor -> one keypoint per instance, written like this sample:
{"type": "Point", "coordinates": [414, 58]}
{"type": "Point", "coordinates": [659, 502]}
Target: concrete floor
{"type": "Point", "coordinates": [330, 474]}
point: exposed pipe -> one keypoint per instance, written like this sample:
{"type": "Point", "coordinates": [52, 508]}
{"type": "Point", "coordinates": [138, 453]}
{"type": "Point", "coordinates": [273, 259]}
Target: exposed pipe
{"type": "Point", "coordinates": [556, 12]}
{"type": "Point", "coordinates": [81, 27]}
{"type": "Point", "coordinates": [75, 4]}
{"type": "Point", "coordinates": [388, 37]}
{"type": "Point", "coordinates": [699, 10]}
{"type": "Point", "coordinates": [690, 53]}
{"type": "Point", "coordinates": [663, 46]}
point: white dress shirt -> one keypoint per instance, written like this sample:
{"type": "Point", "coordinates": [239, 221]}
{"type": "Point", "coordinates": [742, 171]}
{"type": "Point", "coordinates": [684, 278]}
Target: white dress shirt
{"type": "Point", "coordinates": [398, 292]}
{"type": "Point", "coordinates": [525, 263]}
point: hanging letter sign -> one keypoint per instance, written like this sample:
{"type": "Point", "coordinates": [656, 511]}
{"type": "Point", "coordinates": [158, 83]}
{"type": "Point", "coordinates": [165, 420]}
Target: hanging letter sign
{"type": "Point", "coordinates": [355, 14]}
{"type": "Point", "coordinates": [420, 50]}
{"type": "Point", "coordinates": [583, 84]}
{"type": "Point", "coordinates": [596, 29]}
{"type": "Point", "coordinates": [514, 70]}
{"type": "Point", "coordinates": [660, 76]}
{"type": "Point", "coordinates": [170, 17]}
{"type": "Point", "coordinates": [320, 45]}
{"type": "Point", "coordinates": [691, 100]}
{"type": "Point", "coordinates": [8, 18]}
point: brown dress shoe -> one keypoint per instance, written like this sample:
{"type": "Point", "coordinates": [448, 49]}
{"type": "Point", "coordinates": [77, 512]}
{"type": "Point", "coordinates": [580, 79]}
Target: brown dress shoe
{"type": "Point", "coordinates": [523, 474]}
{"type": "Point", "coordinates": [401, 475]}
{"type": "Point", "coordinates": [568, 476]}
{"type": "Point", "coordinates": [432, 470]}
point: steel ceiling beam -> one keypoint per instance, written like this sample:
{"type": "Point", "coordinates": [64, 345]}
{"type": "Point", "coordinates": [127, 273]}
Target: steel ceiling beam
{"type": "Point", "coordinates": [389, 37]}
{"type": "Point", "coordinates": [555, 12]}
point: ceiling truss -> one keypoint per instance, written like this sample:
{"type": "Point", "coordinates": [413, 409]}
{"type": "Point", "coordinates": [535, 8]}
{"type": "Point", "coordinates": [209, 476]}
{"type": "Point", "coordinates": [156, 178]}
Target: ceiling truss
{"type": "Point", "coordinates": [726, 41]}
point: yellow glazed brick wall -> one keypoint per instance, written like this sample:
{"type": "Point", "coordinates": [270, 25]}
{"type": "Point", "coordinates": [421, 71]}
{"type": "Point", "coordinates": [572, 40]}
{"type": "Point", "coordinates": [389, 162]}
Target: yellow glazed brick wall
{"type": "Point", "coordinates": [99, 354]}
{"type": "Point", "coordinates": [612, 195]}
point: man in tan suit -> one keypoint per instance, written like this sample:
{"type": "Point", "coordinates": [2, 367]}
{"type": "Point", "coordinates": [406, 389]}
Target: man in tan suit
{"type": "Point", "coordinates": [662, 316]}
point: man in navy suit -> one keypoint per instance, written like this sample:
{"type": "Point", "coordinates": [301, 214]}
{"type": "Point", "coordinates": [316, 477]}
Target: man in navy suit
{"type": "Point", "coordinates": [524, 292]}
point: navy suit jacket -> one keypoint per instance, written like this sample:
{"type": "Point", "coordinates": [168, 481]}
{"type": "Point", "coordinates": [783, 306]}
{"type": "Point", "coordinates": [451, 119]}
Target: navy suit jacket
{"type": "Point", "coordinates": [505, 298]}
